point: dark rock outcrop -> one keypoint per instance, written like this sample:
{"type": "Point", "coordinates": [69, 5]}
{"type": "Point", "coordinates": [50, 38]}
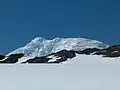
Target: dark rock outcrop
{"type": "Point", "coordinates": [89, 51]}
{"type": "Point", "coordinates": [38, 60]}
{"type": "Point", "coordinates": [64, 55]}
{"type": "Point", "coordinates": [13, 58]}
{"type": "Point", "coordinates": [112, 51]}
{"type": "Point", "coordinates": [2, 57]}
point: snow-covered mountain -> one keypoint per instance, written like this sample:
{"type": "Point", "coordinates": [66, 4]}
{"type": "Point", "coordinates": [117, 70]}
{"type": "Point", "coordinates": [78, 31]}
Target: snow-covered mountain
{"type": "Point", "coordinates": [84, 65]}
{"type": "Point", "coordinates": [41, 47]}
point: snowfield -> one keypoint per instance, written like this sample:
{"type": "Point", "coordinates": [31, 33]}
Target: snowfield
{"type": "Point", "coordinates": [80, 73]}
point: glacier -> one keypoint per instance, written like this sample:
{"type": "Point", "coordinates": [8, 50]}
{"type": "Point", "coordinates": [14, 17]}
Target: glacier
{"type": "Point", "coordinates": [41, 47]}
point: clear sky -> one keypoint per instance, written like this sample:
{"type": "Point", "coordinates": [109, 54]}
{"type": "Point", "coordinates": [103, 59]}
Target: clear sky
{"type": "Point", "coordinates": [22, 20]}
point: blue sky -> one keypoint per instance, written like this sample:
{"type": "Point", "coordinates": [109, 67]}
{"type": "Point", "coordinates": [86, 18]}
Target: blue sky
{"type": "Point", "coordinates": [22, 20]}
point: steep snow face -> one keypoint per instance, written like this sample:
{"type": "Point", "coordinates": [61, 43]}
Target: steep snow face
{"type": "Point", "coordinates": [40, 46]}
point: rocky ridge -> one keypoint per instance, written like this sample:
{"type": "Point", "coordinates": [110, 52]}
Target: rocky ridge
{"type": "Point", "coordinates": [63, 55]}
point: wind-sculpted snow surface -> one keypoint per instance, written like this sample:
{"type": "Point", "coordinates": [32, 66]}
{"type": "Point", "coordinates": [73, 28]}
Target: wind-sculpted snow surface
{"type": "Point", "coordinates": [84, 72]}
{"type": "Point", "coordinates": [41, 47]}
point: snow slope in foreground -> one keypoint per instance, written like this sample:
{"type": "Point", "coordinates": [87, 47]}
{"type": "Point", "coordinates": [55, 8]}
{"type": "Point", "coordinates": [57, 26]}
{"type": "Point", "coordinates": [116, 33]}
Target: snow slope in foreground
{"type": "Point", "coordinates": [81, 73]}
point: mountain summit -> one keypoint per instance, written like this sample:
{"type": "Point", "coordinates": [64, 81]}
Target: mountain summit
{"type": "Point", "coordinates": [41, 47]}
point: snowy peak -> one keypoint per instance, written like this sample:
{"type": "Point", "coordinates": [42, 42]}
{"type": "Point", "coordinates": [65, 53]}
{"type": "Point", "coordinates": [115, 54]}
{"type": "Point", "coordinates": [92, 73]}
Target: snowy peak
{"type": "Point", "coordinates": [63, 56]}
{"type": "Point", "coordinates": [41, 47]}
{"type": "Point", "coordinates": [38, 39]}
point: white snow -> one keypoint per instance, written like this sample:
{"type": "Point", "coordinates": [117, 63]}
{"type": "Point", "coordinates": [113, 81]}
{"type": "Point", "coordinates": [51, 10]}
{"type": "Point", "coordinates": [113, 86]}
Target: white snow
{"type": "Point", "coordinates": [4, 58]}
{"type": "Point", "coordinates": [41, 47]}
{"type": "Point", "coordinates": [80, 73]}
{"type": "Point", "coordinates": [114, 51]}
{"type": "Point", "coordinates": [54, 58]}
{"type": "Point", "coordinates": [24, 59]}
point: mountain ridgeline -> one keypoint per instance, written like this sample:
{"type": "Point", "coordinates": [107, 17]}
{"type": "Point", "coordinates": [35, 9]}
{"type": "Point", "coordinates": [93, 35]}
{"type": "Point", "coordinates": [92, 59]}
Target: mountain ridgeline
{"type": "Point", "coordinates": [63, 55]}
{"type": "Point", "coordinates": [41, 47]}
{"type": "Point", "coordinates": [59, 50]}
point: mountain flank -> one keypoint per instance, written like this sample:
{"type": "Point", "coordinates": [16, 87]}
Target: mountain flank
{"type": "Point", "coordinates": [63, 55]}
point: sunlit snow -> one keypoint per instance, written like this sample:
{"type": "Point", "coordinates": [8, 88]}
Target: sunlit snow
{"type": "Point", "coordinates": [80, 73]}
{"type": "Point", "coordinates": [41, 47]}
